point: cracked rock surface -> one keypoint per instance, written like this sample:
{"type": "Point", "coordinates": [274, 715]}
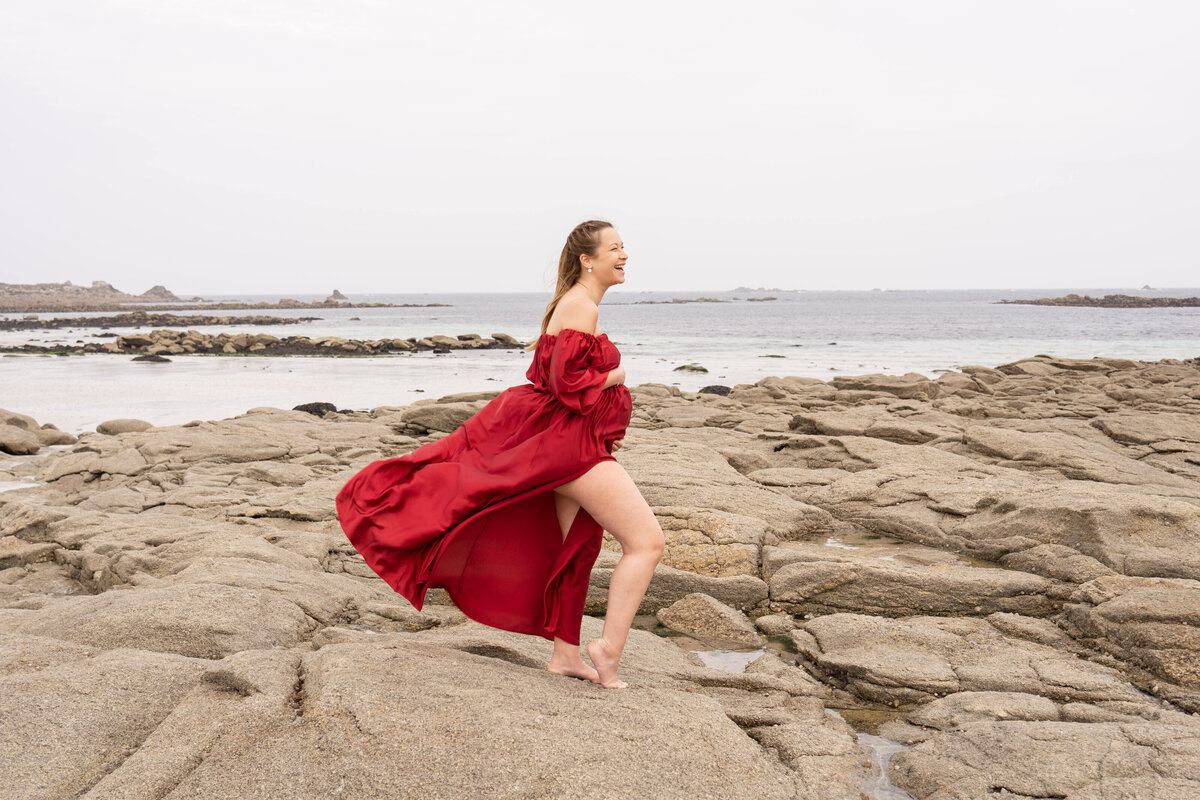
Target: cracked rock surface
{"type": "Point", "coordinates": [1001, 564]}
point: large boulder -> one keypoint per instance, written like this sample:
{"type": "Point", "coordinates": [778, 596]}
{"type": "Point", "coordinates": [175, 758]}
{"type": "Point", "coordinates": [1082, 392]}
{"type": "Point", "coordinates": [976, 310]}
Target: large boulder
{"type": "Point", "coordinates": [1078, 761]}
{"type": "Point", "coordinates": [17, 420]}
{"type": "Point", "coordinates": [817, 579]}
{"type": "Point", "coordinates": [114, 427]}
{"type": "Point", "coordinates": [917, 659]}
{"type": "Point", "coordinates": [707, 618]}
{"type": "Point", "coordinates": [18, 441]}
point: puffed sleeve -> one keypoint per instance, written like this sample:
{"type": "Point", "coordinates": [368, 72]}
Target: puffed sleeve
{"type": "Point", "coordinates": [573, 378]}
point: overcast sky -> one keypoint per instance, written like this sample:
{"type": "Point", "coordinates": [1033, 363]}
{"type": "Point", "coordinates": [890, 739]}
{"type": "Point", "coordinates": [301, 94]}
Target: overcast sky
{"type": "Point", "coordinates": [289, 145]}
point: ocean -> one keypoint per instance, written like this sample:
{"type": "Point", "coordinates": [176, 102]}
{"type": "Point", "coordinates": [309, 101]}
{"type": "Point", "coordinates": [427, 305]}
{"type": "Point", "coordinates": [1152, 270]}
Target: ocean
{"type": "Point", "coordinates": [811, 334]}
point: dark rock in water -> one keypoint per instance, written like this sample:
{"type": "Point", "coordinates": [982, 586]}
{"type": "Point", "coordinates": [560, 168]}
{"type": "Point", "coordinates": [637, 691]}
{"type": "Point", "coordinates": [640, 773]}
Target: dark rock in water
{"type": "Point", "coordinates": [716, 389]}
{"type": "Point", "coordinates": [316, 409]}
{"type": "Point", "coordinates": [157, 359]}
{"type": "Point", "coordinates": [690, 368]}
{"type": "Point", "coordinates": [171, 342]}
{"type": "Point", "coordinates": [1111, 301]}
{"type": "Point", "coordinates": [141, 319]}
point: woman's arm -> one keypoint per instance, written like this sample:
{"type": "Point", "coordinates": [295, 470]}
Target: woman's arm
{"type": "Point", "coordinates": [582, 315]}
{"type": "Point", "coordinates": [615, 376]}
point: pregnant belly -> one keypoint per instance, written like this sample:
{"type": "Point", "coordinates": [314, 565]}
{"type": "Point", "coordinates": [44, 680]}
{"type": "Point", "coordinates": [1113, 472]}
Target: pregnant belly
{"type": "Point", "coordinates": [611, 414]}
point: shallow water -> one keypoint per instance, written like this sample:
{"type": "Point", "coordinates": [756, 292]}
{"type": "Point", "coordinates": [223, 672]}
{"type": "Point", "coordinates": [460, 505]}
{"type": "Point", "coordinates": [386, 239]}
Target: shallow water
{"type": "Point", "coordinates": [877, 749]}
{"type": "Point", "coordinates": [886, 548]}
{"type": "Point", "coordinates": [880, 751]}
{"type": "Point", "coordinates": [808, 334]}
{"type": "Point", "coordinates": [729, 660]}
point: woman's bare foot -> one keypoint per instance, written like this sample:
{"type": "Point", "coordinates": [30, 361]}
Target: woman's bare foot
{"type": "Point", "coordinates": [576, 668]}
{"type": "Point", "coordinates": [606, 664]}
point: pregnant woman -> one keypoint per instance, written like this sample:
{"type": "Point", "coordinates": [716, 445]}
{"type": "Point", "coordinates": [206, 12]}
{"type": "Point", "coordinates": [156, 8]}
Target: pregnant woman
{"type": "Point", "coordinates": [507, 512]}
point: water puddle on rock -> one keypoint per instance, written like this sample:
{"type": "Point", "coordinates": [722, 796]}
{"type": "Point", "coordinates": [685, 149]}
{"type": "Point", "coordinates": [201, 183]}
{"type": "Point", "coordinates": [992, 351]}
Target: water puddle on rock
{"type": "Point", "coordinates": [19, 473]}
{"type": "Point", "coordinates": [730, 657]}
{"type": "Point", "coordinates": [878, 749]}
{"type": "Point", "coordinates": [864, 722]}
{"type": "Point", "coordinates": [21, 483]}
{"type": "Point", "coordinates": [886, 548]}
{"type": "Point", "coordinates": [729, 660]}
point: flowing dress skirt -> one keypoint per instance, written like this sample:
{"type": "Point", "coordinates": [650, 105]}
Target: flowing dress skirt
{"type": "Point", "coordinates": [474, 512]}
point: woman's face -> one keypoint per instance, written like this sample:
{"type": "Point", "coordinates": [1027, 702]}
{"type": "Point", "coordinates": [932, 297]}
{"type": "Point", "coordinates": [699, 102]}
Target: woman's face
{"type": "Point", "coordinates": [608, 262]}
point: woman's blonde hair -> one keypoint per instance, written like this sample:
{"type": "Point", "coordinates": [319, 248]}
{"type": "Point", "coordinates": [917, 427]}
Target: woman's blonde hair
{"type": "Point", "coordinates": [583, 240]}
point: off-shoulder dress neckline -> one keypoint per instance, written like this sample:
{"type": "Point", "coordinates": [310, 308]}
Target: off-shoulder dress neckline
{"type": "Point", "coordinates": [576, 330]}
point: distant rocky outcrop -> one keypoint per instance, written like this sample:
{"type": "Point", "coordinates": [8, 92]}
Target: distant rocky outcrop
{"type": "Point", "coordinates": [159, 294]}
{"type": "Point", "coordinates": [675, 300]}
{"type": "Point", "coordinates": [66, 296]}
{"type": "Point", "coordinates": [18, 298]}
{"type": "Point", "coordinates": [1109, 301]}
{"type": "Point", "coordinates": [763, 289]}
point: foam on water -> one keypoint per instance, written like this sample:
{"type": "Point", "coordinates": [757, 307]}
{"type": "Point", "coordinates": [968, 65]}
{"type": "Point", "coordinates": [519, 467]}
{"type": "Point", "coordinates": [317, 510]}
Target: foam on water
{"type": "Point", "coordinates": [833, 541]}
{"type": "Point", "coordinates": [24, 483]}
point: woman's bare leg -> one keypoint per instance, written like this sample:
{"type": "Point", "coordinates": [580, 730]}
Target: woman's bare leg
{"type": "Point", "coordinates": [566, 659]}
{"type": "Point", "coordinates": [609, 495]}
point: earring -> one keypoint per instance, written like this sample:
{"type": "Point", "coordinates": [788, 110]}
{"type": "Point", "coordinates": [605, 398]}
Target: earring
{"type": "Point", "coordinates": [589, 269]}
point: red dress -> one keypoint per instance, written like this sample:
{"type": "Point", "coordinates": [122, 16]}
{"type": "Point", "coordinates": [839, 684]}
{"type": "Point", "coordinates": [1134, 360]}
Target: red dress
{"type": "Point", "coordinates": [474, 511]}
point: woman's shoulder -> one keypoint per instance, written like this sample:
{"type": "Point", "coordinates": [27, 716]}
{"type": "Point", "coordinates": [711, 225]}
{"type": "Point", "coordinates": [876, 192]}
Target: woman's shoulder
{"type": "Point", "coordinates": [577, 312]}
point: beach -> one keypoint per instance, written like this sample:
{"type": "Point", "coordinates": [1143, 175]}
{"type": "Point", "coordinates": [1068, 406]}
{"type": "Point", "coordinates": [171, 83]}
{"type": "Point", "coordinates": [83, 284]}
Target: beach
{"type": "Point", "coordinates": [882, 585]}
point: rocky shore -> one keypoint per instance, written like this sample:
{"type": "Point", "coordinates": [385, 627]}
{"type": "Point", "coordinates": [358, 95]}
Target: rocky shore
{"type": "Point", "coordinates": [997, 569]}
{"type": "Point", "coordinates": [70, 295]}
{"type": "Point", "coordinates": [1109, 301]}
{"type": "Point", "coordinates": [162, 343]}
{"type": "Point", "coordinates": [224, 305]}
{"type": "Point", "coordinates": [141, 319]}
{"type": "Point", "coordinates": [102, 296]}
